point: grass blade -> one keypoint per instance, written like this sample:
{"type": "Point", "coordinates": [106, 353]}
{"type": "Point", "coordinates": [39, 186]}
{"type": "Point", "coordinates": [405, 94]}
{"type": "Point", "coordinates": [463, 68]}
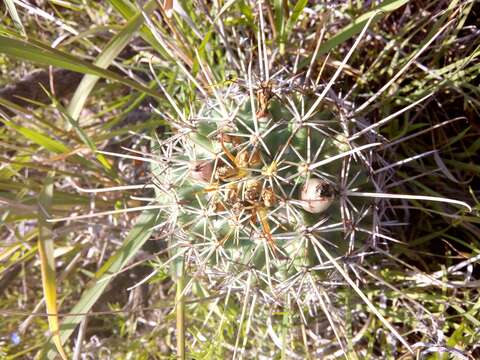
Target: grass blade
{"type": "Point", "coordinates": [84, 136]}
{"type": "Point", "coordinates": [40, 53]}
{"type": "Point", "coordinates": [47, 263]}
{"type": "Point", "coordinates": [113, 48]}
{"type": "Point", "coordinates": [127, 10]}
{"type": "Point", "coordinates": [180, 314]}
{"type": "Point", "coordinates": [12, 10]}
{"type": "Point", "coordinates": [39, 138]}
{"type": "Point", "coordinates": [357, 25]}
{"type": "Point", "coordinates": [369, 304]}
{"type": "Point", "coordinates": [139, 234]}
{"type": "Point", "coordinates": [297, 10]}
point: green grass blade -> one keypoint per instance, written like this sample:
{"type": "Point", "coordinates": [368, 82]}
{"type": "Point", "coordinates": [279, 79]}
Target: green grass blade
{"type": "Point", "coordinates": [280, 24]}
{"type": "Point", "coordinates": [180, 315]}
{"type": "Point", "coordinates": [297, 10]}
{"type": "Point", "coordinates": [113, 48]}
{"type": "Point", "coordinates": [84, 136]}
{"type": "Point", "coordinates": [357, 25]}
{"type": "Point", "coordinates": [47, 263]}
{"type": "Point", "coordinates": [40, 53]}
{"type": "Point", "coordinates": [246, 10]}
{"type": "Point", "coordinates": [14, 107]}
{"type": "Point", "coordinates": [12, 10]}
{"type": "Point", "coordinates": [139, 234]}
{"type": "Point", "coordinates": [38, 138]}
{"type": "Point", "coordinates": [127, 10]}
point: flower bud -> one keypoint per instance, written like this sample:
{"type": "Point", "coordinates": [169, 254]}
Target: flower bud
{"type": "Point", "coordinates": [316, 196]}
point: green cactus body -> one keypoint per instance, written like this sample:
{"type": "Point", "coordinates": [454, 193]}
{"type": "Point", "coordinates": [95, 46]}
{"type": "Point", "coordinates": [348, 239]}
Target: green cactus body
{"type": "Point", "coordinates": [244, 188]}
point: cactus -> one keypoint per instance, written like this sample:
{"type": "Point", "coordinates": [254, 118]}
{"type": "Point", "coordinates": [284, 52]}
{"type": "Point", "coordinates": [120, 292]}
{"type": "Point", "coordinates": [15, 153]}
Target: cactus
{"type": "Point", "coordinates": [251, 181]}
{"type": "Point", "coordinates": [253, 184]}
{"type": "Point", "coordinates": [277, 177]}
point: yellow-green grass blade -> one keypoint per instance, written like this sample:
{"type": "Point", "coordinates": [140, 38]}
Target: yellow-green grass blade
{"type": "Point", "coordinates": [297, 10]}
{"type": "Point", "coordinates": [280, 24]}
{"type": "Point", "coordinates": [40, 53]}
{"type": "Point", "coordinates": [39, 138]}
{"type": "Point", "coordinates": [47, 263]}
{"type": "Point", "coordinates": [84, 137]}
{"type": "Point", "coordinates": [15, 107]}
{"type": "Point", "coordinates": [114, 47]}
{"type": "Point", "coordinates": [50, 144]}
{"type": "Point", "coordinates": [111, 51]}
{"type": "Point", "coordinates": [12, 10]}
{"type": "Point", "coordinates": [357, 25]}
{"type": "Point", "coordinates": [139, 234]}
{"type": "Point", "coordinates": [127, 10]}
{"type": "Point", "coordinates": [10, 170]}
{"type": "Point", "coordinates": [124, 7]}
{"type": "Point", "coordinates": [32, 115]}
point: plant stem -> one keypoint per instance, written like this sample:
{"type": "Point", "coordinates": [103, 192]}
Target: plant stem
{"type": "Point", "coordinates": [180, 312]}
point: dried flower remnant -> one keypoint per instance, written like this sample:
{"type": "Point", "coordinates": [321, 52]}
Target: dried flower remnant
{"type": "Point", "coordinates": [316, 195]}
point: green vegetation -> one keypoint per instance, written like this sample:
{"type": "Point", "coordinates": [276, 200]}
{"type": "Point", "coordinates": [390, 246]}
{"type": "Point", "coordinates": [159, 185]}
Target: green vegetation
{"type": "Point", "coordinates": [239, 179]}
